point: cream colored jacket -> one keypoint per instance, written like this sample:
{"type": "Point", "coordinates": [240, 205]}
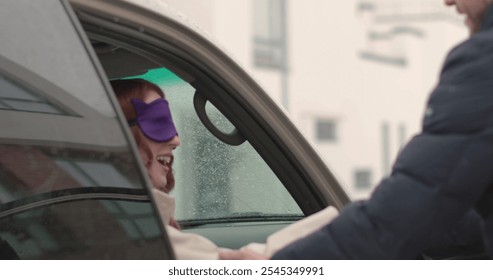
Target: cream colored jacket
{"type": "Point", "coordinates": [189, 246]}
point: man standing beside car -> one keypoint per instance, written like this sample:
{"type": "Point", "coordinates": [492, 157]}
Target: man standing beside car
{"type": "Point", "coordinates": [442, 174]}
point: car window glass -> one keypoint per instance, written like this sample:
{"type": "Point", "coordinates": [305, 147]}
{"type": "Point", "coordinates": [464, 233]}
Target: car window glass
{"type": "Point", "coordinates": [215, 180]}
{"type": "Point", "coordinates": [46, 52]}
{"type": "Point", "coordinates": [36, 157]}
{"type": "Point", "coordinates": [13, 97]}
{"type": "Point", "coordinates": [64, 199]}
{"type": "Point", "coordinates": [82, 229]}
{"type": "Point", "coordinates": [70, 183]}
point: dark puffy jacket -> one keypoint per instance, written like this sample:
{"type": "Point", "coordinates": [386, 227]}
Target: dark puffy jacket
{"type": "Point", "coordinates": [441, 175]}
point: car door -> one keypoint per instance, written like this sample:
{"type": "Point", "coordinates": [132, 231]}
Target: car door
{"type": "Point", "coordinates": [71, 185]}
{"type": "Point", "coordinates": [243, 169]}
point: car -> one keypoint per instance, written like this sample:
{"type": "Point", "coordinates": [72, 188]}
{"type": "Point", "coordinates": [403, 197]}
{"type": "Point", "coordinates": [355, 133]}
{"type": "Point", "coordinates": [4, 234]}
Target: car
{"type": "Point", "coordinates": [72, 185]}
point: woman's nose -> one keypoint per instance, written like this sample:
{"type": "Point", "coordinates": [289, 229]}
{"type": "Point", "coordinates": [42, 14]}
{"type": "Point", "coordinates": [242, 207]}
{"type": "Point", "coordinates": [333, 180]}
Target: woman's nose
{"type": "Point", "coordinates": [174, 142]}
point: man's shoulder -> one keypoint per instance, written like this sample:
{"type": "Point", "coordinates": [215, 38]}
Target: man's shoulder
{"type": "Point", "coordinates": [471, 55]}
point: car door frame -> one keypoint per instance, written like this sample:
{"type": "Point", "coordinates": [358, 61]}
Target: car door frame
{"type": "Point", "coordinates": [175, 43]}
{"type": "Point", "coordinates": [128, 137]}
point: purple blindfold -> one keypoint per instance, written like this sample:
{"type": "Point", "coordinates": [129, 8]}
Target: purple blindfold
{"type": "Point", "coordinates": [154, 119]}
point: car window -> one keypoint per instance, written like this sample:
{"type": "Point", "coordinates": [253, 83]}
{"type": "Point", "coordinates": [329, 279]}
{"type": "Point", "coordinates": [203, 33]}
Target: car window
{"type": "Point", "coordinates": [215, 180]}
{"type": "Point", "coordinates": [47, 53]}
{"type": "Point", "coordinates": [70, 183]}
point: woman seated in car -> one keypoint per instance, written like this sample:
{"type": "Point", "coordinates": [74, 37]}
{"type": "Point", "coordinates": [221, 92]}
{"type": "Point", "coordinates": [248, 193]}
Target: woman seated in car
{"type": "Point", "coordinates": [148, 115]}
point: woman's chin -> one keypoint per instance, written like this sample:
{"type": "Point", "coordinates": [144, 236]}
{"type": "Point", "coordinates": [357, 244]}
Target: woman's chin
{"type": "Point", "coordinates": [162, 188]}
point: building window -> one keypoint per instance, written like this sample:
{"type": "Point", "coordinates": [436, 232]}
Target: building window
{"type": "Point", "coordinates": [402, 135]}
{"type": "Point", "coordinates": [326, 130]}
{"type": "Point", "coordinates": [385, 11]}
{"type": "Point", "coordinates": [387, 21]}
{"type": "Point", "coordinates": [386, 151]}
{"type": "Point", "coordinates": [269, 34]}
{"type": "Point", "coordinates": [362, 179]}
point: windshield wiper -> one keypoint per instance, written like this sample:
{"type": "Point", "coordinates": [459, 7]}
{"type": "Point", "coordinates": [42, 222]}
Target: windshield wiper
{"type": "Point", "coordinates": [242, 217]}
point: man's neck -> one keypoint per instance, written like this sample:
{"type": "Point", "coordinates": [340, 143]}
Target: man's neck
{"type": "Point", "coordinates": [488, 19]}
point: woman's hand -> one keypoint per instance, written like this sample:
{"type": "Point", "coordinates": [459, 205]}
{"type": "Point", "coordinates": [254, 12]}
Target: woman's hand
{"type": "Point", "coordinates": [241, 254]}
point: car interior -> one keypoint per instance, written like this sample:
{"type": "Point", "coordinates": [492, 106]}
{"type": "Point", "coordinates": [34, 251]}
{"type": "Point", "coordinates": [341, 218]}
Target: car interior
{"type": "Point", "coordinates": [203, 213]}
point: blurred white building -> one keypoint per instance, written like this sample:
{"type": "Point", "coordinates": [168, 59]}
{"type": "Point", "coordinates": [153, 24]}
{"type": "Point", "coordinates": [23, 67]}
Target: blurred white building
{"type": "Point", "coordinates": [354, 75]}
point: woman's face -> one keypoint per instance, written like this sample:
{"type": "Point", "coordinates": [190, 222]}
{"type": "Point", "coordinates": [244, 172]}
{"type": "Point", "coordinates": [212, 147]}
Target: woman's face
{"type": "Point", "coordinates": [158, 156]}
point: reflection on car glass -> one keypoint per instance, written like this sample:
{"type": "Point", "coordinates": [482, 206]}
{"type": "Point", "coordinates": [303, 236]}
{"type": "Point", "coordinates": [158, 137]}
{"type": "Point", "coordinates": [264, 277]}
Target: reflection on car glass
{"type": "Point", "coordinates": [28, 170]}
{"type": "Point", "coordinates": [86, 229]}
{"type": "Point", "coordinates": [67, 148]}
{"type": "Point", "coordinates": [95, 173]}
{"type": "Point", "coordinates": [17, 98]}
{"type": "Point", "coordinates": [72, 194]}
